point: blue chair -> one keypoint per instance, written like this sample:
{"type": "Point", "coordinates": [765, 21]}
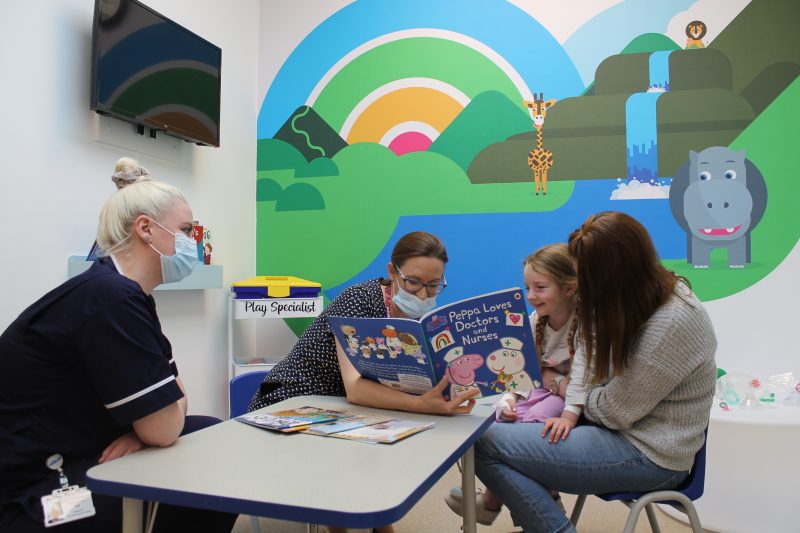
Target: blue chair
{"type": "Point", "coordinates": [242, 389]}
{"type": "Point", "coordinates": [680, 498]}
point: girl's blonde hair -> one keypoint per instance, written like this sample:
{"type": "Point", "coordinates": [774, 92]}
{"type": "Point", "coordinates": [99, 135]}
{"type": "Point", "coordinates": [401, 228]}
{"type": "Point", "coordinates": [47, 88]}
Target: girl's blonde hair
{"type": "Point", "coordinates": [554, 262]}
{"type": "Point", "coordinates": [138, 195]}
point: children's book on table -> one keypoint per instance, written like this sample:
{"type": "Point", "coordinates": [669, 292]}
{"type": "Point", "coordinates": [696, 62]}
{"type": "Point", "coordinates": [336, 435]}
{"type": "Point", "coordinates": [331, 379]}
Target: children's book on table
{"type": "Point", "coordinates": [484, 343]}
{"type": "Point", "coordinates": [352, 425]}
{"type": "Point", "coordinates": [386, 432]}
{"type": "Point", "coordinates": [291, 420]}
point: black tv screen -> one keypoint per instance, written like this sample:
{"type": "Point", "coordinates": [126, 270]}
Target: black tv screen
{"type": "Point", "coordinates": [151, 71]}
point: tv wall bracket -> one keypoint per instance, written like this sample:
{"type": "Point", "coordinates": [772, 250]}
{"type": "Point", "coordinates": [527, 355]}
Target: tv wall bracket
{"type": "Point", "coordinates": [140, 130]}
{"type": "Point", "coordinates": [132, 138]}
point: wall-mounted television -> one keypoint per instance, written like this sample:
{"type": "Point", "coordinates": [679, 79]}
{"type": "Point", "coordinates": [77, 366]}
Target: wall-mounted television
{"type": "Point", "coordinates": [153, 72]}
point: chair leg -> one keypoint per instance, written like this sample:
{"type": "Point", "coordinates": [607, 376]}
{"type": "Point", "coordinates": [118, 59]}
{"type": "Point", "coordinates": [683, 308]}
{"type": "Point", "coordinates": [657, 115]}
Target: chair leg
{"type": "Point", "coordinates": [254, 525]}
{"type": "Point", "coordinates": [633, 515]}
{"type": "Point", "coordinates": [648, 499]}
{"type": "Point", "coordinates": [576, 509]}
{"type": "Point", "coordinates": [651, 516]}
{"type": "Point", "coordinates": [694, 520]}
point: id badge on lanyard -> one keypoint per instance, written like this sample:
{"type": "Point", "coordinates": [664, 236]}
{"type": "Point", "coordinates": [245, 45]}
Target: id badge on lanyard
{"type": "Point", "coordinates": [67, 504]}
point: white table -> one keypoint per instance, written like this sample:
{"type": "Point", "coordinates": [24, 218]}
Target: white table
{"type": "Point", "coordinates": [242, 469]}
{"type": "Point", "coordinates": [752, 463]}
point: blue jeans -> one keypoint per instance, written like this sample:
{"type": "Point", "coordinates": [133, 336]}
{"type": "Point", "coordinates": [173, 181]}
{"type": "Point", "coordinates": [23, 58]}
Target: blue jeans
{"type": "Point", "coordinates": [520, 467]}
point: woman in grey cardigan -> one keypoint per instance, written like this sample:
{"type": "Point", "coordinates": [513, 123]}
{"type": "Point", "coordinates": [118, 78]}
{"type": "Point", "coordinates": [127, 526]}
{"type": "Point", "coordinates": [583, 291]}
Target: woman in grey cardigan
{"type": "Point", "coordinates": [649, 345]}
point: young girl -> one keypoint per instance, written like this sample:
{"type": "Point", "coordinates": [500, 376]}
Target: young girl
{"type": "Point", "coordinates": [551, 285]}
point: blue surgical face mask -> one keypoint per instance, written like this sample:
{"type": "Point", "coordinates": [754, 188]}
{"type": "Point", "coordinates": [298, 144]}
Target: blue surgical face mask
{"type": "Point", "coordinates": [410, 305]}
{"type": "Point", "coordinates": [176, 267]}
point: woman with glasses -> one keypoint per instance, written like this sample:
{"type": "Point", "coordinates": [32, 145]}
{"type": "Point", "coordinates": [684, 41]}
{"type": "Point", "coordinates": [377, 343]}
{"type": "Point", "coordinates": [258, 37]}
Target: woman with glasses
{"type": "Point", "coordinates": [318, 365]}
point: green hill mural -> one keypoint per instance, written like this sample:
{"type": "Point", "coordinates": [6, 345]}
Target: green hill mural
{"type": "Point", "coordinates": [645, 43]}
{"type": "Point", "coordinates": [356, 211]}
{"type": "Point", "coordinates": [274, 154]}
{"type": "Point", "coordinates": [490, 117]}
{"type": "Point", "coordinates": [764, 49]}
{"type": "Point", "coordinates": [310, 134]}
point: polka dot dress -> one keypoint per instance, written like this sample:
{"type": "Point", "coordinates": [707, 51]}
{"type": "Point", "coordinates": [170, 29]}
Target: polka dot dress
{"type": "Point", "coordinates": [312, 366]}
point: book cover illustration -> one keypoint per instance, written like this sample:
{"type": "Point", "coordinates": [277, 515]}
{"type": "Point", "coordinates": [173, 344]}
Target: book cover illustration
{"type": "Point", "coordinates": [354, 421]}
{"type": "Point", "coordinates": [291, 420]}
{"type": "Point", "coordinates": [386, 432]}
{"type": "Point", "coordinates": [483, 343]}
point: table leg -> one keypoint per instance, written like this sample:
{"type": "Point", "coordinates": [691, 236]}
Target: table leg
{"type": "Point", "coordinates": [132, 520]}
{"type": "Point", "coordinates": [468, 490]}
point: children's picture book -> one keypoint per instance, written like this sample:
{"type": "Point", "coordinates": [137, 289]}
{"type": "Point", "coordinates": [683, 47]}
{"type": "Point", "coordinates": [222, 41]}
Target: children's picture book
{"type": "Point", "coordinates": [292, 420]}
{"type": "Point", "coordinates": [385, 432]}
{"type": "Point", "coordinates": [484, 343]}
{"type": "Point", "coordinates": [356, 420]}
{"type": "Point", "coordinates": [332, 423]}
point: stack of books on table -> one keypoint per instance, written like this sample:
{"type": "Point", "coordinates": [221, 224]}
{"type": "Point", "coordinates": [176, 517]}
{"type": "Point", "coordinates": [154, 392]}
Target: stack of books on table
{"type": "Point", "coordinates": [340, 424]}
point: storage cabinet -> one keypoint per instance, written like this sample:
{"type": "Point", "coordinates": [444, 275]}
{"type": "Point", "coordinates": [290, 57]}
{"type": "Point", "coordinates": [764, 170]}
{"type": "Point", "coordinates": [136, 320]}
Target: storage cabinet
{"type": "Point", "coordinates": [246, 317]}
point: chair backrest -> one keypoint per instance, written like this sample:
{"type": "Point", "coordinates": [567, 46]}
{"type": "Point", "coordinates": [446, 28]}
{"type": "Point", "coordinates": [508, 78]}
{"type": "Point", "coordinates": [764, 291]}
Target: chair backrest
{"type": "Point", "coordinates": [242, 389]}
{"type": "Point", "coordinates": [694, 484]}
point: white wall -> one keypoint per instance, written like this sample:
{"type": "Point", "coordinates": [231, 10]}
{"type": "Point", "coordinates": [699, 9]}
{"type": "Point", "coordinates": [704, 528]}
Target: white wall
{"type": "Point", "coordinates": [55, 177]}
{"type": "Point", "coordinates": [756, 327]}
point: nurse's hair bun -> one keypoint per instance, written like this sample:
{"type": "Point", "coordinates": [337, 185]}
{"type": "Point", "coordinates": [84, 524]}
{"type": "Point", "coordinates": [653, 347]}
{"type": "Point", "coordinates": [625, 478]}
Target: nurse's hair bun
{"type": "Point", "coordinates": [128, 171]}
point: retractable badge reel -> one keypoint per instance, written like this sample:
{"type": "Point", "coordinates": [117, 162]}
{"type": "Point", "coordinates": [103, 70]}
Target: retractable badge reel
{"type": "Point", "coordinates": [67, 504]}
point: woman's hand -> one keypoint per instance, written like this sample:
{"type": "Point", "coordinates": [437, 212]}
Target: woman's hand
{"type": "Point", "coordinates": [434, 403]}
{"type": "Point", "coordinates": [122, 446]}
{"type": "Point", "coordinates": [558, 428]}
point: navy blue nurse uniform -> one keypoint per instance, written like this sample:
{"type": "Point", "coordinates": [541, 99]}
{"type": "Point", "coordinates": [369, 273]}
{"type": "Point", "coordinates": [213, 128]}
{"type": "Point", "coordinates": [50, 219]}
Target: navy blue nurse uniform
{"type": "Point", "coordinates": [76, 369]}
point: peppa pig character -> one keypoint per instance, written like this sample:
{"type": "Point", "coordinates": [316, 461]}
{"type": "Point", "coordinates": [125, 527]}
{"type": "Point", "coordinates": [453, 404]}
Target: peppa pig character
{"type": "Point", "coordinates": [461, 370]}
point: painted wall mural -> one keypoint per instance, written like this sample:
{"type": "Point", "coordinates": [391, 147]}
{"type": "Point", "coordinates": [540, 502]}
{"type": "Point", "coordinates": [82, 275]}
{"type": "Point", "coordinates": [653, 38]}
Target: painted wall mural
{"type": "Point", "coordinates": [500, 130]}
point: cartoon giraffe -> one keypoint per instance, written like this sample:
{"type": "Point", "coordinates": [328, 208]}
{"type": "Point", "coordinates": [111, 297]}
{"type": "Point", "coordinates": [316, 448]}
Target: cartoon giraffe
{"type": "Point", "coordinates": [539, 159]}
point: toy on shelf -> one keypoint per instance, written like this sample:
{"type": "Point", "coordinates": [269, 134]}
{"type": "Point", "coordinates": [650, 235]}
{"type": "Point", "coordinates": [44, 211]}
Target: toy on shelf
{"type": "Point", "coordinates": [266, 297]}
{"type": "Point", "coordinates": [747, 391]}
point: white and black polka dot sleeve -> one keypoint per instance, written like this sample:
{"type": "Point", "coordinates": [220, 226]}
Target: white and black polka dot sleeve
{"type": "Point", "coordinates": [312, 366]}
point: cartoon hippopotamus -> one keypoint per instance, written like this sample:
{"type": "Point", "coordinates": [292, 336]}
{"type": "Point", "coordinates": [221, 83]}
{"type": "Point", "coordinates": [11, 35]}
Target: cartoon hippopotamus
{"type": "Point", "coordinates": [718, 197]}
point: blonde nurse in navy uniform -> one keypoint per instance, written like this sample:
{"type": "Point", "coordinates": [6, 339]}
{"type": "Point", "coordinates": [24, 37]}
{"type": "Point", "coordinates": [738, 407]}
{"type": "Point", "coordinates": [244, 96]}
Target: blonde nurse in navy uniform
{"type": "Point", "coordinates": [87, 376]}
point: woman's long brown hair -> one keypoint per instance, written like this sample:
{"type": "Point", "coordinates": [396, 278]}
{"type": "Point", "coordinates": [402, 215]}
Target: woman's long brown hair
{"type": "Point", "coordinates": [621, 283]}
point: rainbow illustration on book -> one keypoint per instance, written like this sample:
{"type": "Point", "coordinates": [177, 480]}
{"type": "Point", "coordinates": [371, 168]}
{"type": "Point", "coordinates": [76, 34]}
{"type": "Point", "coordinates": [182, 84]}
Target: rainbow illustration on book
{"type": "Point", "coordinates": [442, 340]}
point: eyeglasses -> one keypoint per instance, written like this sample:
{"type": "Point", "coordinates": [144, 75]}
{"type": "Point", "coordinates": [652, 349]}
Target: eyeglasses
{"type": "Point", "coordinates": [414, 285]}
